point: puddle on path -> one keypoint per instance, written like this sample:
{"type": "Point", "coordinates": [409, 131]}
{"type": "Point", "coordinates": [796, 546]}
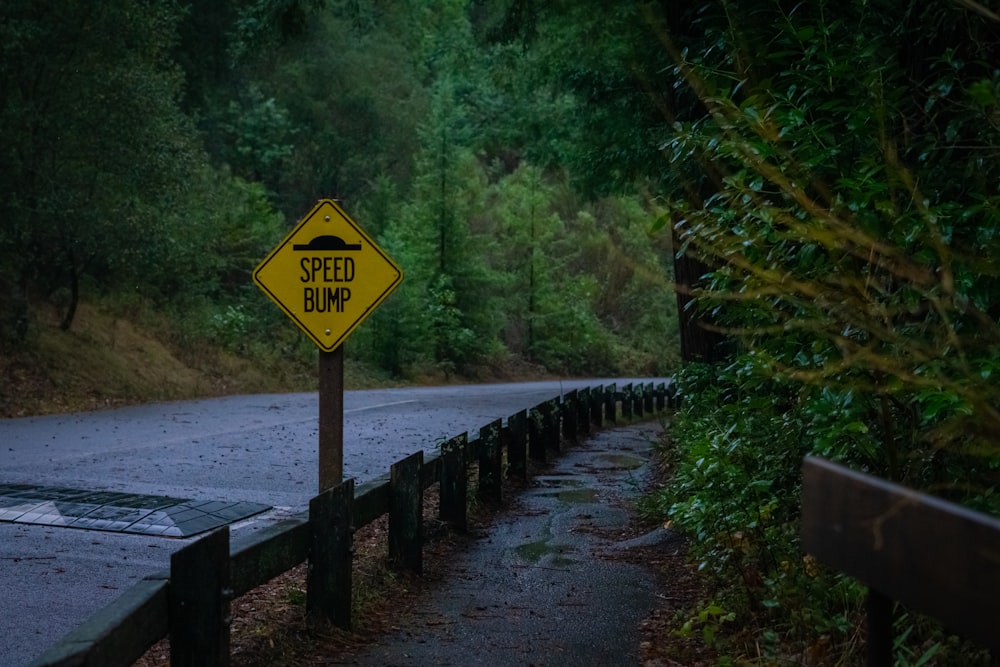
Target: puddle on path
{"type": "Point", "coordinates": [623, 461]}
{"type": "Point", "coordinates": [549, 480]}
{"type": "Point", "coordinates": [576, 496]}
{"type": "Point", "coordinates": [536, 551]}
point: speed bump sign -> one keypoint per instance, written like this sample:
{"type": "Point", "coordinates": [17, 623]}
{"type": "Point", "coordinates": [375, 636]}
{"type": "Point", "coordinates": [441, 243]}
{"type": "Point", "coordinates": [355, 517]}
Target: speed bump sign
{"type": "Point", "coordinates": [327, 275]}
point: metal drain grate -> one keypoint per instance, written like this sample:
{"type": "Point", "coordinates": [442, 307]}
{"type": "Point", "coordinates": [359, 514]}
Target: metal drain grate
{"type": "Point", "coordinates": [118, 512]}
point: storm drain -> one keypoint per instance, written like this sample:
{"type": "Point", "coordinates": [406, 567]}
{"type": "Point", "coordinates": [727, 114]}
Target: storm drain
{"type": "Point", "coordinates": [118, 512]}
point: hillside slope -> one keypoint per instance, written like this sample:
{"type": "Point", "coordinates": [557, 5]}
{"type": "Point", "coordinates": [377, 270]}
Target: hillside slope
{"type": "Point", "coordinates": [106, 361]}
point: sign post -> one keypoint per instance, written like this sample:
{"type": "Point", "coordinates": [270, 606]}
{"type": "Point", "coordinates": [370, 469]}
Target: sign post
{"type": "Point", "coordinates": [327, 275]}
{"type": "Point", "coordinates": [331, 418]}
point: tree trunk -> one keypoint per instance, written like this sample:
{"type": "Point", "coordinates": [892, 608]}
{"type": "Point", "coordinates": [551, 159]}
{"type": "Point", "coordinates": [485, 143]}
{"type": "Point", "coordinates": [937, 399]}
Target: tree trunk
{"type": "Point", "coordinates": [697, 342]}
{"type": "Point", "coordinates": [74, 293]}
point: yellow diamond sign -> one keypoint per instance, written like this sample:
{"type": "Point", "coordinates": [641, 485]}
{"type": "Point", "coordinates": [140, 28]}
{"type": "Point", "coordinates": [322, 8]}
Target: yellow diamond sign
{"type": "Point", "coordinates": [327, 275]}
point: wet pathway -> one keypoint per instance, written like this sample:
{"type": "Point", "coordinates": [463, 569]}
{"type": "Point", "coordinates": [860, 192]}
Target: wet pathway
{"type": "Point", "coordinates": [548, 583]}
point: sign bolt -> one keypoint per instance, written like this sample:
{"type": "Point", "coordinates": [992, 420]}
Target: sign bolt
{"type": "Point", "coordinates": [327, 332]}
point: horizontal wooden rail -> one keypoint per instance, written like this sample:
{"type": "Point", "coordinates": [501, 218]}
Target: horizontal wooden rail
{"type": "Point", "coordinates": [267, 553]}
{"type": "Point", "coordinates": [119, 634]}
{"type": "Point", "coordinates": [934, 556]}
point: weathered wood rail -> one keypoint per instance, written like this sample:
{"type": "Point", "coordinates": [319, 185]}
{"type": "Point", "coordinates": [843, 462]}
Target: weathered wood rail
{"type": "Point", "coordinates": [934, 556]}
{"type": "Point", "coordinates": [190, 603]}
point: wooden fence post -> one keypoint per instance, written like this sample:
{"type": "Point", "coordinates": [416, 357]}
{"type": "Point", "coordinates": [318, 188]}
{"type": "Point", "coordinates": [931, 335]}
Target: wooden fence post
{"type": "Point", "coordinates": [331, 539]}
{"type": "Point", "coordinates": [583, 412]}
{"type": "Point", "coordinates": [490, 464]}
{"type": "Point", "coordinates": [661, 397]}
{"type": "Point", "coordinates": [570, 415]}
{"type": "Point", "coordinates": [627, 402]}
{"type": "Point", "coordinates": [536, 433]}
{"type": "Point", "coordinates": [517, 444]}
{"type": "Point", "coordinates": [453, 505]}
{"type": "Point", "coordinates": [610, 404]}
{"type": "Point", "coordinates": [648, 395]}
{"type": "Point", "coordinates": [878, 611]}
{"type": "Point", "coordinates": [199, 602]}
{"type": "Point", "coordinates": [553, 424]}
{"type": "Point", "coordinates": [673, 398]}
{"type": "Point", "coordinates": [406, 505]}
{"type": "Point", "coordinates": [597, 407]}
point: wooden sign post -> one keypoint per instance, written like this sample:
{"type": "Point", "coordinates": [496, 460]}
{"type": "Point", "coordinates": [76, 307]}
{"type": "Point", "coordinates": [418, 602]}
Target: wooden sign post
{"type": "Point", "coordinates": [331, 418]}
{"type": "Point", "coordinates": [327, 275]}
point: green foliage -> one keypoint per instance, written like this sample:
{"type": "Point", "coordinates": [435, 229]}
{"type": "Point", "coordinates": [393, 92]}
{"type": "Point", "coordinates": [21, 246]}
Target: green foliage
{"type": "Point", "coordinates": [741, 437]}
{"type": "Point", "coordinates": [260, 133]}
{"type": "Point", "coordinates": [709, 619]}
{"type": "Point", "coordinates": [833, 172]}
{"type": "Point", "coordinates": [156, 151]}
{"type": "Point", "coordinates": [94, 144]}
{"type": "Point", "coordinates": [867, 256]}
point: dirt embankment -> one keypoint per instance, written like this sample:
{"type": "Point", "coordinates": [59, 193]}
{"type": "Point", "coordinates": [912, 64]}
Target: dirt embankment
{"type": "Point", "coordinates": [105, 361]}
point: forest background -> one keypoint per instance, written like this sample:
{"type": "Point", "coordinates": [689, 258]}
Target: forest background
{"type": "Point", "coordinates": [154, 152]}
{"type": "Point", "coordinates": [819, 180]}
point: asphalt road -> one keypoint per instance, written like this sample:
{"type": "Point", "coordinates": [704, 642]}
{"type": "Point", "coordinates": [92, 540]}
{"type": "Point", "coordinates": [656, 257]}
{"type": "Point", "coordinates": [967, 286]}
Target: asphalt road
{"type": "Point", "coordinates": [258, 449]}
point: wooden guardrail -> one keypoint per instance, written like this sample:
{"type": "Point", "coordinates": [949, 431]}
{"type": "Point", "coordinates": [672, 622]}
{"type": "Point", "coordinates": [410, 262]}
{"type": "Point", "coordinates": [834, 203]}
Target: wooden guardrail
{"type": "Point", "coordinates": [934, 556]}
{"type": "Point", "coordinates": [190, 603]}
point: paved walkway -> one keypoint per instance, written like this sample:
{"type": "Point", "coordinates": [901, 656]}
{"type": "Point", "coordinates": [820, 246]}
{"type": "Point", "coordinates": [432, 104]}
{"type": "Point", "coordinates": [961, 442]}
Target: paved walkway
{"type": "Point", "coordinates": [549, 583]}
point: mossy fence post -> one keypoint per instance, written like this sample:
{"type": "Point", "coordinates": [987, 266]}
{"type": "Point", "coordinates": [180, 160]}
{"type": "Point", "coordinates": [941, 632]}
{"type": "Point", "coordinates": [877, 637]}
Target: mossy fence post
{"type": "Point", "coordinates": [199, 602]}
{"type": "Point", "coordinates": [490, 464]}
{"type": "Point", "coordinates": [328, 582]}
{"type": "Point", "coordinates": [611, 404]}
{"type": "Point", "coordinates": [406, 504]}
{"type": "Point", "coordinates": [517, 445]}
{"type": "Point", "coordinates": [597, 407]}
{"type": "Point", "coordinates": [570, 415]}
{"type": "Point", "coordinates": [454, 489]}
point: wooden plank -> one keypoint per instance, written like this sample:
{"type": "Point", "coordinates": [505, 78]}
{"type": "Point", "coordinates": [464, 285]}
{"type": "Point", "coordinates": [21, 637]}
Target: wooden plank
{"type": "Point", "coordinates": [454, 489]}
{"type": "Point", "coordinates": [430, 473]}
{"type": "Point", "coordinates": [199, 602]}
{"type": "Point", "coordinates": [490, 464]}
{"type": "Point", "coordinates": [328, 582]}
{"type": "Point", "coordinates": [406, 503]}
{"type": "Point", "coordinates": [371, 500]}
{"type": "Point", "coordinates": [120, 633]}
{"type": "Point", "coordinates": [517, 445]}
{"type": "Point", "coordinates": [934, 556]}
{"type": "Point", "coordinates": [648, 396]}
{"type": "Point", "coordinates": [258, 558]}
